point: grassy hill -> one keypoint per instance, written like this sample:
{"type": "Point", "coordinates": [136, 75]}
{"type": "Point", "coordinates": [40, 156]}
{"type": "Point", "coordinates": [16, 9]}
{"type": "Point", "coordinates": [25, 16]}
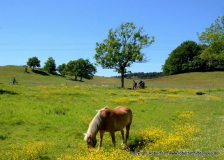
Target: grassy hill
{"type": "Point", "coordinates": [195, 80]}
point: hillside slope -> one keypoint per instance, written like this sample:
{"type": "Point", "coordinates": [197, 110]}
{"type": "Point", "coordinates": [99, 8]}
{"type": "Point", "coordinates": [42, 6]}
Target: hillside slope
{"type": "Point", "coordinates": [38, 76]}
{"type": "Point", "coordinates": [203, 80]}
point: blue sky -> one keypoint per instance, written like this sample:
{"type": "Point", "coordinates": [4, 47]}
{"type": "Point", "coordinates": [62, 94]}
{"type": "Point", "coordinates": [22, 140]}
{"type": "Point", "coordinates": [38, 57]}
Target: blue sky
{"type": "Point", "coordinates": [69, 29]}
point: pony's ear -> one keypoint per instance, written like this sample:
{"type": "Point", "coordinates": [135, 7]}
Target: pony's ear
{"type": "Point", "coordinates": [102, 108]}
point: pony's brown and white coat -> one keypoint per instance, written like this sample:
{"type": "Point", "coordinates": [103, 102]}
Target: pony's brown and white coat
{"type": "Point", "coordinates": [109, 120]}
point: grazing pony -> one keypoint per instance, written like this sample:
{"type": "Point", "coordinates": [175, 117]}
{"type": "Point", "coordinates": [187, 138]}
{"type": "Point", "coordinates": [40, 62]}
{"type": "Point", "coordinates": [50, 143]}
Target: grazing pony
{"type": "Point", "coordinates": [109, 120]}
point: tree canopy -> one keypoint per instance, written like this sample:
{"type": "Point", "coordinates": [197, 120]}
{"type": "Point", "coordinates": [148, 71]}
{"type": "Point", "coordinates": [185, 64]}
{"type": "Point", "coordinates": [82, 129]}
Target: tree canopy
{"type": "Point", "coordinates": [50, 65]}
{"type": "Point", "coordinates": [122, 48]}
{"type": "Point", "coordinates": [33, 62]}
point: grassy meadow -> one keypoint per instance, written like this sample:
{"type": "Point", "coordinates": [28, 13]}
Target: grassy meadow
{"type": "Point", "coordinates": [48, 121]}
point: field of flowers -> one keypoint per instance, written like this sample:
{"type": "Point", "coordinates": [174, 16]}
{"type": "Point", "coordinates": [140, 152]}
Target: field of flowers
{"type": "Point", "coordinates": [48, 122]}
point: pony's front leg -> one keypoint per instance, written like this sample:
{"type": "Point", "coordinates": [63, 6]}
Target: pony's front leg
{"type": "Point", "coordinates": [101, 139]}
{"type": "Point", "coordinates": [113, 138]}
{"type": "Point", "coordinates": [122, 134]}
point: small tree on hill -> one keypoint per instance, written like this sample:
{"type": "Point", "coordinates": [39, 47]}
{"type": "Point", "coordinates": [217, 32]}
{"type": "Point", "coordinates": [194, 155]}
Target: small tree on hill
{"type": "Point", "coordinates": [72, 69]}
{"type": "Point", "coordinates": [87, 70]}
{"type": "Point", "coordinates": [33, 62]}
{"type": "Point", "coordinates": [82, 68]}
{"type": "Point", "coordinates": [61, 69]}
{"type": "Point", "coordinates": [50, 65]}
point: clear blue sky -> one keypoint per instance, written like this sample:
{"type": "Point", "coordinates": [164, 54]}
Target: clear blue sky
{"type": "Point", "coordinates": [69, 29]}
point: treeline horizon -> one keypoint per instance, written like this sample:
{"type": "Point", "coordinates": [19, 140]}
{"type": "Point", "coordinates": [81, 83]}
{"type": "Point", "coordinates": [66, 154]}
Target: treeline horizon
{"type": "Point", "coordinates": [142, 75]}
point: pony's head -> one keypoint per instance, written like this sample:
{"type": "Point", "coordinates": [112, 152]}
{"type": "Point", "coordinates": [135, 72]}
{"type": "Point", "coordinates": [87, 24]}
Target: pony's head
{"type": "Point", "coordinates": [90, 136]}
{"type": "Point", "coordinates": [90, 141]}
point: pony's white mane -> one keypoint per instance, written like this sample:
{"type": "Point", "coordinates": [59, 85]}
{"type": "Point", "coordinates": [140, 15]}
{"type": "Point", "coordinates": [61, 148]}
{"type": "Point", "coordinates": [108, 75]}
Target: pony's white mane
{"type": "Point", "coordinates": [94, 124]}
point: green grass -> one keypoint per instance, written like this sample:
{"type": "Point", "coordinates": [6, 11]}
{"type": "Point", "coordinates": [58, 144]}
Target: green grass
{"type": "Point", "coordinates": [58, 116]}
{"type": "Point", "coordinates": [48, 121]}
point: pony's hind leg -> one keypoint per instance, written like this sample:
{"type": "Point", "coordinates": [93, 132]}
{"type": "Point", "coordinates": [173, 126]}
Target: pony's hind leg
{"type": "Point", "coordinates": [122, 134]}
{"type": "Point", "coordinates": [127, 132]}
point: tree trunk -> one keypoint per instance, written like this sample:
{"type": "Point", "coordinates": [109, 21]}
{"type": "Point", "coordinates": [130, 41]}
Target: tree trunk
{"type": "Point", "coordinates": [122, 79]}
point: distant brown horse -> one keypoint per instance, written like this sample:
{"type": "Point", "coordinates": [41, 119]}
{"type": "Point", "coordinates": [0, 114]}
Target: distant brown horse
{"type": "Point", "coordinates": [109, 120]}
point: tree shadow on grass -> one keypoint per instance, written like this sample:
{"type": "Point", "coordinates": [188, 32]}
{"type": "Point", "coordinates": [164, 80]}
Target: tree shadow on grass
{"type": "Point", "coordinates": [40, 72]}
{"type": "Point", "coordinates": [72, 79]}
{"type": "Point", "coordinates": [135, 144]}
{"type": "Point", "coordinates": [8, 92]}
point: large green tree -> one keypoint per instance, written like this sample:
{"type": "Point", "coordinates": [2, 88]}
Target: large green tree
{"type": "Point", "coordinates": [214, 32]}
{"type": "Point", "coordinates": [122, 48]}
{"type": "Point", "coordinates": [50, 65]}
{"type": "Point", "coordinates": [82, 68]}
{"type": "Point", "coordinates": [33, 62]}
{"type": "Point", "coordinates": [183, 59]}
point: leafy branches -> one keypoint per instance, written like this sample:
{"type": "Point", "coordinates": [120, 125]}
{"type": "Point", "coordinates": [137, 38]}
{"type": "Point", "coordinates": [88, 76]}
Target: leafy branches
{"type": "Point", "coordinates": [214, 32]}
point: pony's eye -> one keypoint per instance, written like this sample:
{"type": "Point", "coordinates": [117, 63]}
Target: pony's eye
{"type": "Point", "coordinates": [89, 142]}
